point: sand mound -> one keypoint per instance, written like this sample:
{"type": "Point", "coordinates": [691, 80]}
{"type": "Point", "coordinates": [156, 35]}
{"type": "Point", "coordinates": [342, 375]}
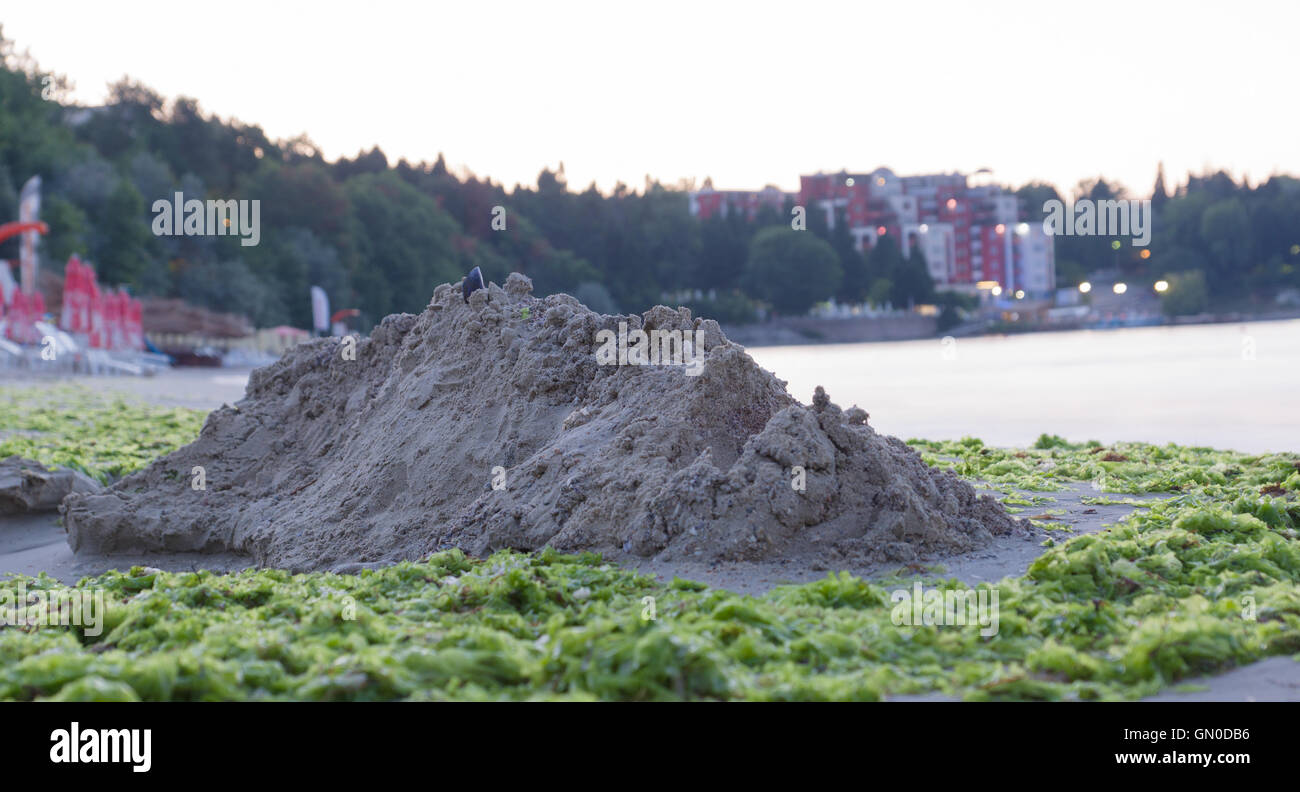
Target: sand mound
{"type": "Point", "coordinates": [394, 454]}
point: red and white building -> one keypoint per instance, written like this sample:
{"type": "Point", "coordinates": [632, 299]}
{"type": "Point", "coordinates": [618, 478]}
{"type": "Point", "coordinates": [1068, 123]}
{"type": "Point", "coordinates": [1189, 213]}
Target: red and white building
{"type": "Point", "coordinates": [969, 234]}
{"type": "Point", "coordinates": [708, 202]}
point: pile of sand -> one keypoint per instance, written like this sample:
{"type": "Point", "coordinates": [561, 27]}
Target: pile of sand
{"type": "Point", "coordinates": [391, 455]}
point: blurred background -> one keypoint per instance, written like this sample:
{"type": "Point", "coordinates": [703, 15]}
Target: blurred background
{"type": "Point", "coordinates": [856, 192]}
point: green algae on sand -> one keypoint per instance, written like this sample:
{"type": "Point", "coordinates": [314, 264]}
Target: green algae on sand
{"type": "Point", "coordinates": [1176, 592]}
{"type": "Point", "coordinates": [1195, 583]}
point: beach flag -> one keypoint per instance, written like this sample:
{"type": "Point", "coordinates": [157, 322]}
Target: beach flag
{"type": "Point", "coordinates": [29, 211]}
{"type": "Point", "coordinates": [320, 309]}
{"type": "Point", "coordinates": [7, 284]}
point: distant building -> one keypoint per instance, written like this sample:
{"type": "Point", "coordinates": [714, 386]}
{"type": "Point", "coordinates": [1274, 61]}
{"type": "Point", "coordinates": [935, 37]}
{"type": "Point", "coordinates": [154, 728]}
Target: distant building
{"type": "Point", "coordinates": [969, 234]}
{"type": "Point", "coordinates": [708, 202]}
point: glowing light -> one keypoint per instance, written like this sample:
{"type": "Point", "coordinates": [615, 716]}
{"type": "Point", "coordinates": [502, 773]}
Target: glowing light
{"type": "Point", "coordinates": [1085, 287]}
{"type": "Point", "coordinates": [999, 228]}
{"type": "Point", "coordinates": [925, 228]}
{"type": "Point", "coordinates": [952, 203]}
{"type": "Point", "coordinates": [1022, 229]}
{"type": "Point", "coordinates": [880, 180]}
{"type": "Point", "coordinates": [1119, 288]}
{"type": "Point", "coordinates": [1020, 294]}
{"type": "Point", "coordinates": [1114, 245]}
{"type": "Point", "coordinates": [997, 291]}
{"type": "Point", "coordinates": [881, 230]}
{"type": "Point", "coordinates": [1295, 250]}
{"type": "Point", "coordinates": [849, 181]}
{"type": "Point", "coordinates": [1162, 286]}
{"type": "Point", "coordinates": [1146, 254]}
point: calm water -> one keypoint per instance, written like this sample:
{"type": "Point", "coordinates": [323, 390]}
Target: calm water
{"type": "Point", "coordinates": [1228, 386]}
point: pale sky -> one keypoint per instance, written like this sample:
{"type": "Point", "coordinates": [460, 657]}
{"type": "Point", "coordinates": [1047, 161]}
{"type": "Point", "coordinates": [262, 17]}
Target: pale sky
{"type": "Point", "coordinates": [748, 93]}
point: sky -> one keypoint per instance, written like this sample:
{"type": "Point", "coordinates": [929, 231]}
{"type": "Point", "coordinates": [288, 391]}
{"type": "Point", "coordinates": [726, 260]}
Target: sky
{"type": "Point", "coordinates": [747, 93]}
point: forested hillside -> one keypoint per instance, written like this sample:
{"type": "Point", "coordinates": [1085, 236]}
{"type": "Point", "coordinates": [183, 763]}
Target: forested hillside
{"type": "Point", "coordinates": [379, 235]}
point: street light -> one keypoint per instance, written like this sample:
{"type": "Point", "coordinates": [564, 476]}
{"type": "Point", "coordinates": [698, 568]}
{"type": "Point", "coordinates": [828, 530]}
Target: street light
{"type": "Point", "coordinates": [1120, 288]}
{"type": "Point", "coordinates": [1085, 287]}
{"type": "Point", "coordinates": [997, 291]}
{"type": "Point", "coordinates": [1020, 294]}
{"type": "Point", "coordinates": [1162, 286]}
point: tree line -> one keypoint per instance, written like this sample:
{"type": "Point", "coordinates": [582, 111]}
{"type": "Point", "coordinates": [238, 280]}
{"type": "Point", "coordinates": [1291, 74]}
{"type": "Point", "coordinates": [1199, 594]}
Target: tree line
{"type": "Point", "coordinates": [1222, 244]}
{"type": "Point", "coordinates": [380, 236]}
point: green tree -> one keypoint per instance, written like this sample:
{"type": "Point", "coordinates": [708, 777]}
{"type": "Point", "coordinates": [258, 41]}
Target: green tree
{"type": "Point", "coordinates": [1159, 195]}
{"type": "Point", "coordinates": [230, 287]}
{"type": "Point", "coordinates": [124, 225]}
{"type": "Point", "coordinates": [791, 270]}
{"type": "Point", "coordinates": [881, 291]}
{"type": "Point", "coordinates": [1225, 227]}
{"type": "Point", "coordinates": [912, 283]}
{"type": "Point", "coordinates": [404, 244]}
{"type": "Point", "coordinates": [724, 248]}
{"type": "Point", "coordinates": [289, 261]}
{"type": "Point", "coordinates": [69, 230]}
{"type": "Point", "coordinates": [884, 262]}
{"type": "Point", "coordinates": [1186, 295]}
{"type": "Point", "coordinates": [854, 285]}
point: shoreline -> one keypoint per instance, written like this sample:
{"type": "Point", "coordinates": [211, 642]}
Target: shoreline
{"type": "Point", "coordinates": [781, 333]}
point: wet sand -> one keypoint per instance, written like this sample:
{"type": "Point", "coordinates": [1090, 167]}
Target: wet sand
{"type": "Point", "coordinates": [198, 388]}
{"type": "Point", "coordinates": [1005, 556]}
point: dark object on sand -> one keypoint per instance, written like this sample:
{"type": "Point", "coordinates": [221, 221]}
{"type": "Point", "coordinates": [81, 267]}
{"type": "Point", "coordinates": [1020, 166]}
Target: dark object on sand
{"type": "Point", "coordinates": [192, 357]}
{"type": "Point", "coordinates": [27, 486]}
{"type": "Point", "coordinates": [472, 283]}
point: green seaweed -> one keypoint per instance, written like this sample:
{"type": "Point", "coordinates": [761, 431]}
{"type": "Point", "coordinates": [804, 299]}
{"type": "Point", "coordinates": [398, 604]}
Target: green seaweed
{"type": "Point", "coordinates": [1191, 585]}
{"type": "Point", "coordinates": [104, 437]}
